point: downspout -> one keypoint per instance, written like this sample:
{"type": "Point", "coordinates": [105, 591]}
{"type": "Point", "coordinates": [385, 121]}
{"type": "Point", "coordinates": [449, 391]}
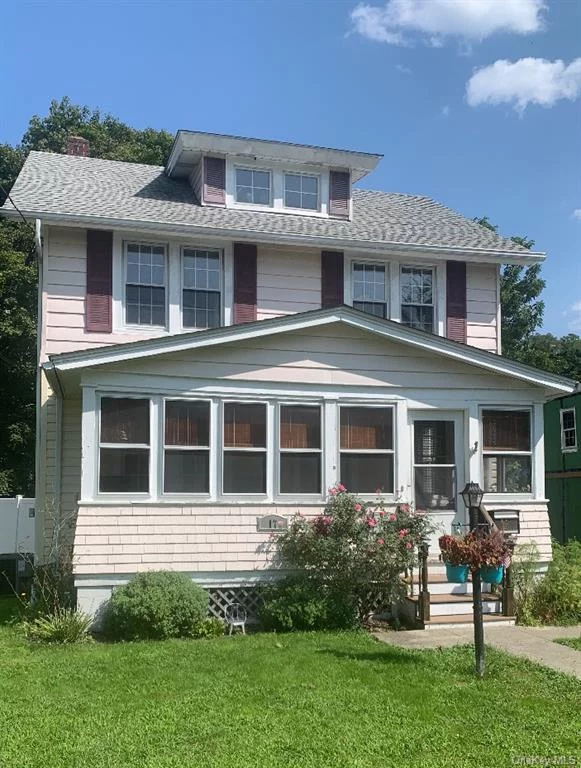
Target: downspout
{"type": "Point", "coordinates": [38, 493]}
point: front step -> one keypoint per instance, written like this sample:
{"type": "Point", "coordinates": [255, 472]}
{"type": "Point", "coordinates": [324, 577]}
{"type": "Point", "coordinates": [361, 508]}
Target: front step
{"type": "Point", "coordinates": [461, 620]}
{"type": "Point", "coordinates": [452, 605]}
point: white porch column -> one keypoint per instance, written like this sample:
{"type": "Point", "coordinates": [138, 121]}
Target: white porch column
{"type": "Point", "coordinates": [403, 453]}
{"type": "Point", "coordinates": [331, 444]}
{"type": "Point", "coordinates": [474, 447]}
{"type": "Point", "coordinates": [89, 444]}
{"type": "Point", "coordinates": [538, 447]}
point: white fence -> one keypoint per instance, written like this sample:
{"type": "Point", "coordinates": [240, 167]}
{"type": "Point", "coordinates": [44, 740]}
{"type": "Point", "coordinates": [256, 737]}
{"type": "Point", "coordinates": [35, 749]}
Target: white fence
{"type": "Point", "coordinates": [17, 522]}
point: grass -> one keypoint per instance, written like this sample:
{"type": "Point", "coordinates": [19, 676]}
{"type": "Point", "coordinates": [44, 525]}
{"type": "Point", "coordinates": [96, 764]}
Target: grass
{"type": "Point", "coordinates": [305, 700]}
{"type": "Point", "coordinates": [572, 642]}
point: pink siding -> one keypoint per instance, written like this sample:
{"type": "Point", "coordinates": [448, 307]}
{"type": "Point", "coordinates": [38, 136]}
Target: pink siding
{"type": "Point", "coordinates": [482, 305]}
{"type": "Point", "coordinates": [288, 280]}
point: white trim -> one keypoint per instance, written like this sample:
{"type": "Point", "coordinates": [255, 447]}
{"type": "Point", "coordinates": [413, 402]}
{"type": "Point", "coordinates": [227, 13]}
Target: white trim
{"type": "Point", "coordinates": [293, 172]}
{"type": "Point", "coordinates": [436, 311]}
{"type": "Point", "coordinates": [181, 283]}
{"type": "Point", "coordinates": [568, 448]}
{"type": "Point", "coordinates": [162, 493]}
{"type": "Point", "coordinates": [536, 450]}
{"type": "Point", "coordinates": [395, 331]}
{"type": "Point", "coordinates": [141, 326]}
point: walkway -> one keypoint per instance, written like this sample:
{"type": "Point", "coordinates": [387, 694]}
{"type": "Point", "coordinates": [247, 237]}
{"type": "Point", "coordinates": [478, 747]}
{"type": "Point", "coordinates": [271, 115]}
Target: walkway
{"type": "Point", "coordinates": [534, 643]}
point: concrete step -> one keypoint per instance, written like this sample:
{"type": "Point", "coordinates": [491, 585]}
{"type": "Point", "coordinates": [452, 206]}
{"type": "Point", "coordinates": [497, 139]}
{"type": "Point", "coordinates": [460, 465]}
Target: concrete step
{"type": "Point", "coordinates": [460, 620]}
{"type": "Point", "coordinates": [451, 604]}
{"type": "Point", "coordinates": [438, 584]}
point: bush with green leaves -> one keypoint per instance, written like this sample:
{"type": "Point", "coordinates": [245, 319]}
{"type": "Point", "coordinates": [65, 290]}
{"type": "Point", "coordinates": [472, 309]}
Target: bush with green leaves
{"type": "Point", "coordinates": [525, 580]}
{"type": "Point", "coordinates": [154, 606]}
{"type": "Point", "coordinates": [210, 627]}
{"type": "Point", "coordinates": [63, 625]}
{"type": "Point", "coordinates": [355, 549]}
{"type": "Point", "coordinates": [302, 603]}
{"type": "Point", "coordinates": [557, 598]}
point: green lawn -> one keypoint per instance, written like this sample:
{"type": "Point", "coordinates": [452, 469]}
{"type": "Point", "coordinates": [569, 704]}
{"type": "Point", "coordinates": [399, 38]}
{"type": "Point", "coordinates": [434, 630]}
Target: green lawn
{"type": "Point", "coordinates": [340, 700]}
{"type": "Point", "coordinates": [572, 642]}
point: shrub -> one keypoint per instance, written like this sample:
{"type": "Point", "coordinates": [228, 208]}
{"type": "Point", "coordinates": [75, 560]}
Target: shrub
{"type": "Point", "coordinates": [355, 550]}
{"type": "Point", "coordinates": [154, 606]}
{"type": "Point", "coordinates": [64, 625]}
{"type": "Point", "coordinates": [300, 603]}
{"type": "Point", "coordinates": [525, 579]}
{"type": "Point", "coordinates": [557, 599]}
{"type": "Point", "coordinates": [210, 627]}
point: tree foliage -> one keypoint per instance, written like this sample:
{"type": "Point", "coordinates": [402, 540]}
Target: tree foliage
{"type": "Point", "coordinates": [110, 139]}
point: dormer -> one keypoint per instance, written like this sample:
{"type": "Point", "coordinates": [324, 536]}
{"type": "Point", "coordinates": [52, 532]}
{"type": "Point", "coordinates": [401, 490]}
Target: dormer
{"type": "Point", "coordinates": [268, 176]}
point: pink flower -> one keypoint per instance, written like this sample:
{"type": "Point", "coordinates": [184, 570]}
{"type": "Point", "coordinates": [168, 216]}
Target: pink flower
{"type": "Point", "coordinates": [404, 532]}
{"type": "Point", "coordinates": [371, 522]}
{"type": "Point", "coordinates": [358, 507]}
{"type": "Point", "coordinates": [380, 541]}
{"type": "Point", "coordinates": [341, 488]}
{"type": "Point", "coordinates": [405, 508]}
{"type": "Point", "coordinates": [409, 545]}
{"type": "Point", "coordinates": [332, 491]}
{"type": "Point", "coordinates": [382, 513]}
{"type": "Point", "coordinates": [393, 517]}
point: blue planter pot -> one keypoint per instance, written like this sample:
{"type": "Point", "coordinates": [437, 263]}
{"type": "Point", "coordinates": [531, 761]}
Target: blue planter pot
{"type": "Point", "coordinates": [457, 574]}
{"type": "Point", "coordinates": [492, 574]}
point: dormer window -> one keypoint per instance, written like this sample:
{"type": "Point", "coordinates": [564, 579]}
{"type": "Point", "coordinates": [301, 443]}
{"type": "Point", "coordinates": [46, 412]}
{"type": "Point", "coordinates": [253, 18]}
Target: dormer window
{"type": "Point", "coordinates": [301, 191]}
{"type": "Point", "coordinates": [253, 186]}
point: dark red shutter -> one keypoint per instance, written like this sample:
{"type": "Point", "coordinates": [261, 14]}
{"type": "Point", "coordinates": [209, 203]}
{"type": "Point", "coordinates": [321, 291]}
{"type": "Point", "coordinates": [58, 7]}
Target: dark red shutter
{"type": "Point", "coordinates": [244, 282]}
{"type": "Point", "coordinates": [215, 180]}
{"type": "Point", "coordinates": [456, 300]}
{"type": "Point", "coordinates": [339, 193]}
{"type": "Point", "coordinates": [99, 281]}
{"type": "Point", "coordinates": [332, 279]}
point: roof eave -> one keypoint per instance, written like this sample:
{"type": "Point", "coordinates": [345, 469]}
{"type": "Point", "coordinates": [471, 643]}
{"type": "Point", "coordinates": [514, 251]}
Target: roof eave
{"type": "Point", "coordinates": [495, 256]}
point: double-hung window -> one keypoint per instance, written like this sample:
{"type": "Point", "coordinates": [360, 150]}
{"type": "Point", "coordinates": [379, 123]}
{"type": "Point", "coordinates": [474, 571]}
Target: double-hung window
{"type": "Point", "coordinates": [366, 448]}
{"type": "Point", "coordinates": [568, 430]}
{"type": "Point", "coordinates": [369, 288]}
{"type": "Point", "coordinates": [202, 288]}
{"type": "Point", "coordinates": [145, 284]}
{"type": "Point", "coordinates": [417, 298]}
{"type": "Point", "coordinates": [124, 445]}
{"type": "Point", "coordinates": [186, 447]}
{"type": "Point", "coordinates": [253, 186]}
{"type": "Point", "coordinates": [244, 459]}
{"type": "Point", "coordinates": [301, 191]}
{"type": "Point", "coordinates": [300, 449]}
{"type": "Point", "coordinates": [507, 451]}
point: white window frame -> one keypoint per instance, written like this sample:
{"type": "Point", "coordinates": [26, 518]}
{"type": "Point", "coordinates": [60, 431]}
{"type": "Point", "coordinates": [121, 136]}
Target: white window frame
{"type": "Point", "coordinates": [280, 451]}
{"type": "Point", "coordinates": [434, 303]}
{"type": "Point", "coordinates": [152, 474]}
{"type": "Point", "coordinates": [564, 447]}
{"type": "Point", "coordinates": [267, 450]}
{"type": "Point", "coordinates": [164, 447]}
{"type": "Point", "coordinates": [253, 169]}
{"type": "Point", "coordinates": [387, 495]}
{"type": "Point", "coordinates": [387, 278]}
{"type": "Point", "coordinates": [290, 172]}
{"type": "Point", "coordinates": [166, 285]}
{"type": "Point", "coordinates": [499, 495]}
{"type": "Point", "coordinates": [222, 291]}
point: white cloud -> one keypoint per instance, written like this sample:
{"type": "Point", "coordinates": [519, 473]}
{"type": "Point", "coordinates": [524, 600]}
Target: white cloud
{"type": "Point", "coordinates": [523, 82]}
{"type": "Point", "coordinates": [403, 69]}
{"type": "Point", "coordinates": [577, 215]}
{"type": "Point", "coordinates": [398, 20]}
{"type": "Point", "coordinates": [445, 111]}
{"type": "Point", "coordinates": [574, 315]}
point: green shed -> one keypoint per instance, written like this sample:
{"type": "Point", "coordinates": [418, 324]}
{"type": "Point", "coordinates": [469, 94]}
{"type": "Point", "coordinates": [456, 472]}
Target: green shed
{"type": "Point", "coordinates": [563, 466]}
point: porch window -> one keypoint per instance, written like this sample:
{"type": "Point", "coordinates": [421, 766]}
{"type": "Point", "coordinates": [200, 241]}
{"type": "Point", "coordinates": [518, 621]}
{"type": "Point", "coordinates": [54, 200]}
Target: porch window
{"type": "Point", "coordinates": [145, 284]}
{"type": "Point", "coordinates": [417, 298]}
{"type": "Point", "coordinates": [507, 451]}
{"type": "Point", "coordinates": [202, 287]}
{"type": "Point", "coordinates": [124, 445]}
{"type": "Point", "coordinates": [568, 430]}
{"type": "Point", "coordinates": [434, 464]}
{"type": "Point", "coordinates": [187, 447]}
{"type": "Point", "coordinates": [244, 448]}
{"type": "Point", "coordinates": [253, 186]}
{"type": "Point", "coordinates": [369, 289]}
{"type": "Point", "coordinates": [300, 449]}
{"type": "Point", "coordinates": [366, 448]}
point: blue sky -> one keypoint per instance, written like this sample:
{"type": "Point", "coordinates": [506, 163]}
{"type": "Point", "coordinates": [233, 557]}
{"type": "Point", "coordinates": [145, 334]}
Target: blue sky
{"type": "Point", "coordinates": [389, 78]}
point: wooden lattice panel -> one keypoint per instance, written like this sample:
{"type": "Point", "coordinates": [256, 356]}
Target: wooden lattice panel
{"type": "Point", "coordinates": [222, 597]}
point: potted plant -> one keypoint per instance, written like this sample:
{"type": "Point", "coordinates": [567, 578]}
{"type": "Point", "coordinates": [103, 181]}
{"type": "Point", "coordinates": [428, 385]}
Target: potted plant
{"type": "Point", "coordinates": [453, 551]}
{"type": "Point", "coordinates": [489, 552]}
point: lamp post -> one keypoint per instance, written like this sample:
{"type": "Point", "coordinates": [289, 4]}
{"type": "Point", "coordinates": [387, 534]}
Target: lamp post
{"type": "Point", "coordinates": [472, 497]}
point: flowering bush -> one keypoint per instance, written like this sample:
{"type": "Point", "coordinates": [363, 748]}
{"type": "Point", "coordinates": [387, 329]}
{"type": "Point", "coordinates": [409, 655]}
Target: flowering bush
{"type": "Point", "coordinates": [477, 549]}
{"type": "Point", "coordinates": [355, 549]}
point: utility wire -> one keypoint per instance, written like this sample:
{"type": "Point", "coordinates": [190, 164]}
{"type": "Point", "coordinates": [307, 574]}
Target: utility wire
{"type": "Point", "coordinates": [8, 197]}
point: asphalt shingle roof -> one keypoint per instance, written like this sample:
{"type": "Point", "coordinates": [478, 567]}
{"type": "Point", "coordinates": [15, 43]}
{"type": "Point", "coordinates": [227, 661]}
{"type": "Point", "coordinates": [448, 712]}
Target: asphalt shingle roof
{"type": "Point", "coordinates": [78, 186]}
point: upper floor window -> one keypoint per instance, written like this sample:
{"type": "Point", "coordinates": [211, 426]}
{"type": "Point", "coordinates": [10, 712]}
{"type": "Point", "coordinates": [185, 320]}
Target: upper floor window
{"type": "Point", "coordinates": [568, 430]}
{"type": "Point", "coordinates": [124, 445]}
{"type": "Point", "coordinates": [202, 288]}
{"type": "Point", "coordinates": [301, 191]}
{"type": "Point", "coordinates": [145, 284]}
{"type": "Point", "coordinates": [369, 289]}
{"type": "Point", "coordinates": [253, 187]}
{"type": "Point", "coordinates": [507, 451]}
{"type": "Point", "coordinates": [417, 298]}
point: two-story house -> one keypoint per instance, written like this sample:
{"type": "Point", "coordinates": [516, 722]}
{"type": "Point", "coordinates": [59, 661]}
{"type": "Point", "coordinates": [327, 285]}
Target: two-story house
{"type": "Point", "coordinates": [223, 339]}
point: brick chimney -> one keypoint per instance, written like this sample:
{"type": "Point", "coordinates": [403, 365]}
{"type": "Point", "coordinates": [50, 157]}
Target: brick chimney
{"type": "Point", "coordinates": [77, 145]}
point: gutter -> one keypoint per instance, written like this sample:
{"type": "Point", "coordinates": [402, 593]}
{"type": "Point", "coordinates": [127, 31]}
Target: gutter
{"type": "Point", "coordinates": [362, 246]}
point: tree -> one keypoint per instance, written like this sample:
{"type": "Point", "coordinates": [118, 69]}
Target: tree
{"type": "Point", "coordinates": [110, 139]}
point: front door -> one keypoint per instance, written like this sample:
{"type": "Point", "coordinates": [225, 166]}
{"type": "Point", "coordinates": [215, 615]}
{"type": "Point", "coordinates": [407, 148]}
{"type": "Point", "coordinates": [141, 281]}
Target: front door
{"type": "Point", "coordinates": [438, 475]}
